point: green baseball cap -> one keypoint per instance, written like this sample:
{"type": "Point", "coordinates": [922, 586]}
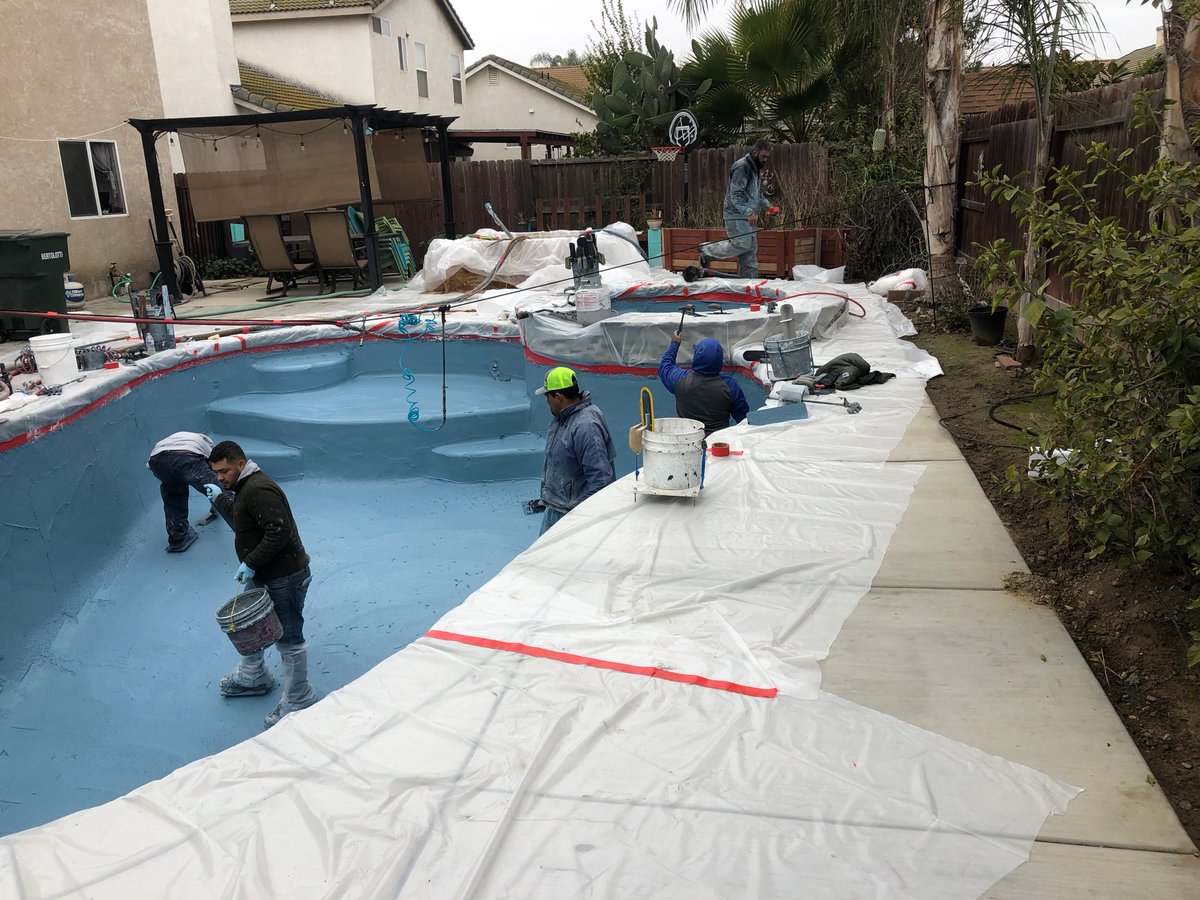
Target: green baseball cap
{"type": "Point", "coordinates": [558, 379]}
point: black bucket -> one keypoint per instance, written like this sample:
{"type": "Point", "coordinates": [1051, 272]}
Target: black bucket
{"type": "Point", "coordinates": [987, 325]}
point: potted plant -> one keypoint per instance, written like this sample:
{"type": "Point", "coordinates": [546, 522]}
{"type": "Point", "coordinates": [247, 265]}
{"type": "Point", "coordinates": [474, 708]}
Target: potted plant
{"type": "Point", "coordinates": [987, 323]}
{"type": "Point", "coordinates": [654, 219]}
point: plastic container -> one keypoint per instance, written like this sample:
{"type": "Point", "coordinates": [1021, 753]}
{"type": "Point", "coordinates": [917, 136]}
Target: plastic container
{"type": "Point", "coordinates": [250, 622]}
{"type": "Point", "coordinates": [73, 291]}
{"type": "Point", "coordinates": [592, 299]}
{"type": "Point", "coordinates": [55, 358]}
{"type": "Point", "coordinates": [673, 455]}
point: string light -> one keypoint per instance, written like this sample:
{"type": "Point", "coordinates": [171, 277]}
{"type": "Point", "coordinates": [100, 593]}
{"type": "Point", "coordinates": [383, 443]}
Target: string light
{"type": "Point", "coordinates": [345, 130]}
{"type": "Point", "coordinates": [301, 142]}
{"type": "Point", "coordinates": [214, 145]}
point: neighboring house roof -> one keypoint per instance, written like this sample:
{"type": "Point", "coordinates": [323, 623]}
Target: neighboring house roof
{"type": "Point", "coordinates": [533, 76]}
{"type": "Point", "coordinates": [1135, 58]}
{"type": "Point", "coordinates": [276, 94]}
{"type": "Point", "coordinates": [993, 87]}
{"type": "Point", "coordinates": [248, 7]}
{"type": "Point", "coordinates": [571, 76]}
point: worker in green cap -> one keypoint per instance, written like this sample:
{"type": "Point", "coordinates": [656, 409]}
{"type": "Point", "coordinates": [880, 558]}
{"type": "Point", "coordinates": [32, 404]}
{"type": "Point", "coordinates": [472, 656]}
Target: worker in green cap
{"type": "Point", "coordinates": [579, 448]}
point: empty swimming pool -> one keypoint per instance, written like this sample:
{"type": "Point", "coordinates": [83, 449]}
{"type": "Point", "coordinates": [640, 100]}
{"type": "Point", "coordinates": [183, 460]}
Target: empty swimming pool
{"type": "Point", "coordinates": [110, 657]}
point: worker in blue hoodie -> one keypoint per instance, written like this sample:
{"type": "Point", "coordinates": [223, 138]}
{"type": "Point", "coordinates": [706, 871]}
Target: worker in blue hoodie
{"type": "Point", "coordinates": [704, 393]}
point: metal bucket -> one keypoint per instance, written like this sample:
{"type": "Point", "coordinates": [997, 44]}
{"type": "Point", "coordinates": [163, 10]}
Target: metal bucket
{"type": "Point", "coordinates": [673, 454]}
{"type": "Point", "coordinates": [789, 357]}
{"type": "Point", "coordinates": [250, 621]}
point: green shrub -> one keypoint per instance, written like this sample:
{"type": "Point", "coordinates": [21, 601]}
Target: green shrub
{"type": "Point", "coordinates": [1123, 360]}
{"type": "Point", "coordinates": [229, 267]}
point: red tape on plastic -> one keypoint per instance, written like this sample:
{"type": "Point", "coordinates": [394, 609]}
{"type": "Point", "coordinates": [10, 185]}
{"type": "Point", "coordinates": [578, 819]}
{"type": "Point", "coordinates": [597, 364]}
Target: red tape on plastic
{"type": "Point", "coordinates": [591, 661]}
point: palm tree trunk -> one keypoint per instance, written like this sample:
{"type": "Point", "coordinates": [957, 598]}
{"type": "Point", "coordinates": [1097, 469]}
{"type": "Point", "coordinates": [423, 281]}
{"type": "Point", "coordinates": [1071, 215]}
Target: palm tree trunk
{"type": "Point", "coordinates": [1035, 257]}
{"type": "Point", "coordinates": [942, 90]}
{"type": "Point", "coordinates": [1182, 82]}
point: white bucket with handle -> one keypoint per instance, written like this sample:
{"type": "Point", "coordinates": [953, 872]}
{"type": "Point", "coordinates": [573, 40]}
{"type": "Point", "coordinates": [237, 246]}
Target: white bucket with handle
{"type": "Point", "coordinates": [55, 358]}
{"type": "Point", "coordinates": [673, 455]}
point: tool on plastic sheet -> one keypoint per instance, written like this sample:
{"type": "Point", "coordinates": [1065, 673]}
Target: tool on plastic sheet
{"type": "Point", "coordinates": [495, 218]}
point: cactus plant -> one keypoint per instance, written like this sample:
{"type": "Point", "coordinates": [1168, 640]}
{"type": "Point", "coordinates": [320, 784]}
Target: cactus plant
{"type": "Point", "coordinates": [644, 96]}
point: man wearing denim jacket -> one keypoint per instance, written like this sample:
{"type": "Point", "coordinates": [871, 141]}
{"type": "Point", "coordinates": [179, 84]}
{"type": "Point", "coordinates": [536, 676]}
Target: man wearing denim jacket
{"type": "Point", "coordinates": [267, 543]}
{"type": "Point", "coordinates": [743, 202]}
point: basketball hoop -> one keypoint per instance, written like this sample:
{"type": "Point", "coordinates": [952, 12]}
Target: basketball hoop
{"type": "Point", "coordinates": [666, 154]}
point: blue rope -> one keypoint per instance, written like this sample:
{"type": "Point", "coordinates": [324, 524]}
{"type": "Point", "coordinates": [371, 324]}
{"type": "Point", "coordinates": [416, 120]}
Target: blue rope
{"type": "Point", "coordinates": [410, 379]}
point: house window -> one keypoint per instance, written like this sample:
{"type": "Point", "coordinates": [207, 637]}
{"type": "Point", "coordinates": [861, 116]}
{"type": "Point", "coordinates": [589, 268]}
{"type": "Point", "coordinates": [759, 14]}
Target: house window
{"type": "Point", "coordinates": [403, 54]}
{"type": "Point", "coordinates": [92, 175]}
{"type": "Point", "coordinates": [512, 145]}
{"type": "Point", "coordinates": [381, 26]}
{"type": "Point", "coordinates": [456, 76]}
{"type": "Point", "coordinates": [422, 67]}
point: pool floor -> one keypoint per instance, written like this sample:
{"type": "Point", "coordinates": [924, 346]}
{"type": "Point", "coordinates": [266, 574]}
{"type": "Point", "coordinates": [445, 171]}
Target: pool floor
{"type": "Point", "coordinates": [128, 690]}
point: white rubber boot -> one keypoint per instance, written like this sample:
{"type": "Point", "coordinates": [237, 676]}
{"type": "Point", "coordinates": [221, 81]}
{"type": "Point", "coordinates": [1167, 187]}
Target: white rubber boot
{"type": "Point", "coordinates": [249, 679]}
{"type": "Point", "coordinates": [298, 692]}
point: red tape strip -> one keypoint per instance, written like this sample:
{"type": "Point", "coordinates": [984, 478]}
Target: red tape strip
{"type": "Point", "coordinates": [576, 660]}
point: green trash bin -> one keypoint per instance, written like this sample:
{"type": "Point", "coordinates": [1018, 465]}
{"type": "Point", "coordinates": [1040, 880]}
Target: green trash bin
{"type": "Point", "coordinates": [32, 264]}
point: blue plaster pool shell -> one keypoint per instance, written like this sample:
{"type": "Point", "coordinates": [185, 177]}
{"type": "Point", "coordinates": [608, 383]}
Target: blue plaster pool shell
{"type": "Point", "coordinates": [110, 657]}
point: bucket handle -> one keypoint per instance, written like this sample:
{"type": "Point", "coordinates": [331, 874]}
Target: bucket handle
{"type": "Point", "coordinates": [233, 609]}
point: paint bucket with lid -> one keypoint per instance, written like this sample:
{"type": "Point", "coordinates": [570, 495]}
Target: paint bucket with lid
{"type": "Point", "coordinates": [55, 358]}
{"type": "Point", "coordinates": [673, 455]}
{"type": "Point", "coordinates": [250, 621]}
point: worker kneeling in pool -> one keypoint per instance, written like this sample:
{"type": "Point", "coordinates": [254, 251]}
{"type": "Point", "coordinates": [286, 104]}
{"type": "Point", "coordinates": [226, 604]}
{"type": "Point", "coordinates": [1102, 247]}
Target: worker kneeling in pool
{"type": "Point", "coordinates": [704, 393]}
{"type": "Point", "coordinates": [579, 448]}
{"type": "Point", "coordinates": [268, 547]}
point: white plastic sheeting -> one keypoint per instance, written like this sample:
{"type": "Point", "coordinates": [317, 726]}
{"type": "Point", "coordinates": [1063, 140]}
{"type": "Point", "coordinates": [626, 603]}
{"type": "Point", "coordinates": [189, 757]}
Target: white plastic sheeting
{"type": "Point", "coordinates": [537, 260]}
{"type": "Point", "coordinates": [639, 339]}
{"type": "Point", "coordinates": [630, 708]}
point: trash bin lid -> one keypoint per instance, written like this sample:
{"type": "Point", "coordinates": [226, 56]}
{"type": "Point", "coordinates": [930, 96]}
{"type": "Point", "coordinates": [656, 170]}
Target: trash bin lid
{"type": "Point", "coordinates": [30, 234]}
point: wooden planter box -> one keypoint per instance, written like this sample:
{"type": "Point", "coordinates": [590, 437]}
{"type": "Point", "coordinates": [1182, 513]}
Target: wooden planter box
{"type": "Point", "coordinates": [778, 251]}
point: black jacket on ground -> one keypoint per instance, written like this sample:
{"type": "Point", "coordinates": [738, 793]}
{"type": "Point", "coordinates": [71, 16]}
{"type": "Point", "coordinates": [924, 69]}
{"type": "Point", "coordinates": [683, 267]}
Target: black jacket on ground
{"type": "Point", "coordinates": [265, 536]}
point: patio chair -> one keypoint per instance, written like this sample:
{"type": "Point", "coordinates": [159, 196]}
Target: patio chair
{"type": "Point", "coordinates": [332, 247]}
{"type": "Point", "coordinates": [266, 240]}
{"type": "Point", "coordinates": [395, 252]}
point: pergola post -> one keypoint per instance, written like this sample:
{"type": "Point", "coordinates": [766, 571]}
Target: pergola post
{"type": "Point", "coordinates": [374, 274]}
{"type": "Point", "coordinates": [162, 237]}
{"type": "Point", "coordinates": [447, 192]}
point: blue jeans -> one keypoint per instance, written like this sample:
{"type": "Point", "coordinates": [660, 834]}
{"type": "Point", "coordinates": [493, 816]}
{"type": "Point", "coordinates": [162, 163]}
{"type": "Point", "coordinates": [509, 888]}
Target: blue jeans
{"type": "Point", "coordinates": [178, 470]}
{"type": "Point", "coordinates": [288, 595]}
{"type": "Point", "coordinates": [549, 517]}
{"type": "Point", "coordinates": [742, 243]}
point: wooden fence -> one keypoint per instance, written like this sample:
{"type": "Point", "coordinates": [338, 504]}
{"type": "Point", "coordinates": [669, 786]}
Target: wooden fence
{"type": "Point", "coordinates": [1008, 137]}
{"type": "Point", "coordinates": [531, 195]}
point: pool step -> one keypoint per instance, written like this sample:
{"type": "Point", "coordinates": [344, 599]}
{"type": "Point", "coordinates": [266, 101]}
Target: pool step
{"type": "Point", "coordinates": [286, 372]}
{"type": "Point", "coordinates": [505, 458]}
{"type": "Point", "coordinates": [278, 460]}
{"type": "Point", "coordinates": [360, 428]}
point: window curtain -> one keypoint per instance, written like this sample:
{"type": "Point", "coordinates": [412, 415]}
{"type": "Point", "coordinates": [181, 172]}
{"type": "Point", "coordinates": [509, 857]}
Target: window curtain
{"type": "Point", "coordinates": [108, 177]}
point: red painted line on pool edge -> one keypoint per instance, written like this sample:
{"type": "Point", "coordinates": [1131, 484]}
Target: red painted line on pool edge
{"type": "Point", "coordinates": [128, 386]}
{"type": "Point", "coordinates": [574, 659]}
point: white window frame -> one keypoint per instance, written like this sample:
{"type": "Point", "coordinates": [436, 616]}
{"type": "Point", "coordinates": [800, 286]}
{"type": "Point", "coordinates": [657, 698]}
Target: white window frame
{"type": "Point", "coordinates": [382, 26]}
{"type": "Point", "coordinates": [402, 42]}
{"type": "Point", "coordinates": [456, 79]}
{"type": "Point", "coordinates": [419, 51]}
{"type": "Point", "coordinates": [92, 172]}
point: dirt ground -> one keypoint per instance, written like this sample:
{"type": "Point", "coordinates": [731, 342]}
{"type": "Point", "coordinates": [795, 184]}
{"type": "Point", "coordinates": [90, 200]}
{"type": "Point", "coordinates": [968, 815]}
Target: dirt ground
{"type": "Point", "coordinates": [1130, 625]}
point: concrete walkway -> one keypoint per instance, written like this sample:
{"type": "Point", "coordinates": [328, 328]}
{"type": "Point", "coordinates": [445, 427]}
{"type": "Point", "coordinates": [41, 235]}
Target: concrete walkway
{"type": "Point", "coordinates": [939, 643]}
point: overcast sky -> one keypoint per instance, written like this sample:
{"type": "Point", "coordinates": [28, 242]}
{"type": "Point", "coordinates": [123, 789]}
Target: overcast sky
{"type": "Point", "coordinates": [519, 29]}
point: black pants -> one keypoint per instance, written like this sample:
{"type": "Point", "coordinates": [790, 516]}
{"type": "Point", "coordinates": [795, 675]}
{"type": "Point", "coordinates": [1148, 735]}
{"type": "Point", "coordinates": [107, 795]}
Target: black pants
{"type": "Point", "coordinates": [178, 470]}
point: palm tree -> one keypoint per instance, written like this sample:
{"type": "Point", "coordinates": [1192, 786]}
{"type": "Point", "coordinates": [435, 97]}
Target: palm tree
{"type": "Point", "coordinates": [770, 75]}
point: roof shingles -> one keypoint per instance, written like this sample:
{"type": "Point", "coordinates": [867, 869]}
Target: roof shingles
{"type": "Point", "coordinates": [535, 75]}
{"type": "Point", "coordinates": [276, 94]}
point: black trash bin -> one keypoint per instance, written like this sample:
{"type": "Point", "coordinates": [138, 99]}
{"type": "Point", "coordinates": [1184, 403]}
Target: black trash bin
{"type": "Point", "coordinates": [32, 264]}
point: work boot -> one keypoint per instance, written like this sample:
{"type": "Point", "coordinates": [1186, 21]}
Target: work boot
{"type": "Point", "coordinates": [208, 518]}
{"type": "Point", "coordinates": [249, 679]}
{"type": "Point", "coordinates": [178, 546]}
{"type": "Point", "coordinates": [298, 692]}
{"type": "Point", "coordinates": [705, 259]}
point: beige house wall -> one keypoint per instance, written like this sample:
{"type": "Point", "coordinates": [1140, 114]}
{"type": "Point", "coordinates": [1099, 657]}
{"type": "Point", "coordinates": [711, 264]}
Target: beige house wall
{"type": "Point", "coordinates": [425, 22]}
{"type": "Point", "coordinates": [330, 54]}
{"type": "Point", "coordinates": [65, 81]}
{"type": "Point", "coordinates": [513, 104]}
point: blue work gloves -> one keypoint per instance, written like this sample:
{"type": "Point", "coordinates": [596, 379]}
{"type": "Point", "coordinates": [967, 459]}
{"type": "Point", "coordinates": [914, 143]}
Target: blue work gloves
{"type": "Point", "coordinates": [244, 575]}
{"type": "Point", "coordinates": [213, 491]}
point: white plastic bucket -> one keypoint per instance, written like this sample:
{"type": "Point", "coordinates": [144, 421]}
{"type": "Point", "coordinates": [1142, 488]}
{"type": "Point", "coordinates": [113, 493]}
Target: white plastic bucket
{"type": "Point", "coordinates": [592, 299]}
{"type": "Point", "coordinates": [673, 454]}
{"type": "Point", "coordinates": [55, 358]}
